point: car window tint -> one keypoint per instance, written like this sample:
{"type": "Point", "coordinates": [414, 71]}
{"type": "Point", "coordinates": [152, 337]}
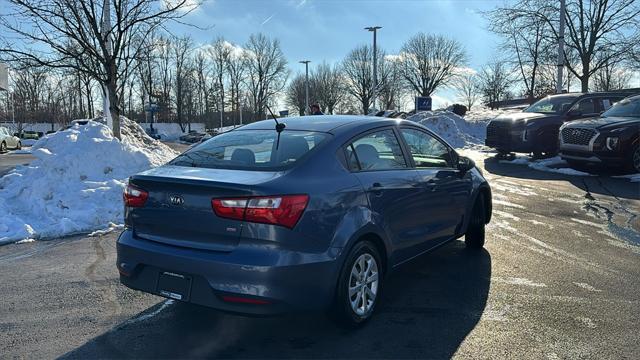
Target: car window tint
{"type": "Point", "coordinates": [586, 106]}
{"type": "Point", "coordinates": [379, 151]}
{"type": "Point", "coordinates": [426, 150]}
{"type": "Point", "coordinates": [251, 150]}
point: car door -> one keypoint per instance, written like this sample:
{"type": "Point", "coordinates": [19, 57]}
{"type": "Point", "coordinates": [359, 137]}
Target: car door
{"type": "Point", "coordinates": [377, 160]}
{"type": "Point", "coordinates": [443, 189]}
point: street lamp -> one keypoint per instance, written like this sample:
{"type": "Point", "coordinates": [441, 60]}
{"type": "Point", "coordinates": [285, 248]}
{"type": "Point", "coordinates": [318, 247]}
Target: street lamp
{"type": "Point", "coordinates": [374, 29]}
{"type": "Point", "coordinates": [306, 85]}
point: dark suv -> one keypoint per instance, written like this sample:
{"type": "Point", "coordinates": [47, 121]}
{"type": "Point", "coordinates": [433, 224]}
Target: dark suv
{"type": "Point", "coordinates": [611, 139]}
{"type": "Point", "coordinates": [535, 130]}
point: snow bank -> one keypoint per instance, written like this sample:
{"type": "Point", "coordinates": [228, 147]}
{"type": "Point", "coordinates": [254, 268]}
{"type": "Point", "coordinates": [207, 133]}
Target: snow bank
{"type": "Point", "coordinates": [75, 184]}
{"type": "Point", "coordinates": [552, 165]}
{"type": "Point", "coordinates": [454, 129]}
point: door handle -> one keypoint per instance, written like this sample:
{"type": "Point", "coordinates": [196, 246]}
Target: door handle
{"type": "Point", "coordinates": [376, 188]}
{"type": "Point", "coordinates": [432, 185]}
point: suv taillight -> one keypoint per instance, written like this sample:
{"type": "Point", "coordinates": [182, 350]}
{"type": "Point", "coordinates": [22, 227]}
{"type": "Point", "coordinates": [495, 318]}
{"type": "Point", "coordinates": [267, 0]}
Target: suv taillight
{"type": "Point", "coordinates": [134, 196]}
{"type": "Point", "coordinates": [283, 210]}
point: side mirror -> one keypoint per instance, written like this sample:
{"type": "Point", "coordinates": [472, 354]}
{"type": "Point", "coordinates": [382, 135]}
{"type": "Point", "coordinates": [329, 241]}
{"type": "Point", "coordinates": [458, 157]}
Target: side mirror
{"type": "Point", "coordinates": [465, 164]}
{"type": "Point", "coordinates": [16, 134]}
{"type": "Point", "coordinates": [572, 114]}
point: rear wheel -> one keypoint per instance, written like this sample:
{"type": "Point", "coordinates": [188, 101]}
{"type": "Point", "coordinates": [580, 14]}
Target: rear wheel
{"type": "Point", "coordinates": [3, 147]}
{"type": "Point", "coordinates": [359, 286]}
{"type": "Point", "coordinates": [19, 146]}
{"type": "Point", "coordinates": [474, 238]}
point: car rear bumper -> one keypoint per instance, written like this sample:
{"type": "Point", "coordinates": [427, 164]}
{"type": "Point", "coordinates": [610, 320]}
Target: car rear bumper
{"type": "Point", "coordinates": [248, 280]}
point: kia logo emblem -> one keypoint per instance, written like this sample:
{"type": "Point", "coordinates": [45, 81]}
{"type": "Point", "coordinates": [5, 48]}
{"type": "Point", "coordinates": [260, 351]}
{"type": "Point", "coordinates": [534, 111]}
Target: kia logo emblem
{"type": "Point", "coordinates": [176, 200]}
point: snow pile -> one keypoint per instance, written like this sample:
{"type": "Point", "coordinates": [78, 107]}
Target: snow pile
{"type": "Point", "coordinates": [454, 129]}
{"type": "Point", "coordinates": [75, 184]}
{"type": "Point", "coordinates": [552, 165]}
{"type": "Point", "coordinates": [28, 142]}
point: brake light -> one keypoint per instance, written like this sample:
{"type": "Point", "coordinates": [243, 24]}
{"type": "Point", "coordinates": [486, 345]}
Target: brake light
{"type": "Point", "coordinates": [283, 210]}
{"type": "Point", "coordinates": [134, 196]}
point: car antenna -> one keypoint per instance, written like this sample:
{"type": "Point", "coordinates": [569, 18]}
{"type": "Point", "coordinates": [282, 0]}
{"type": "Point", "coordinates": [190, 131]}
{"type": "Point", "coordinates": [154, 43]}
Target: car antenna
{"type": "Point", "coordinates": [279, 126]}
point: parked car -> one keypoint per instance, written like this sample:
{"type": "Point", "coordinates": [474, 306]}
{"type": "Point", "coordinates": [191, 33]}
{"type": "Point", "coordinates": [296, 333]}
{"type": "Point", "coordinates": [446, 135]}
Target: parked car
{"type": "Point", "coordinates": [8, 141]}
{"type": "Point", "coordinates": [262, 220]}
{"type": "Point", "coordinates": [192, 137]}
{"type": "Point", "coordinates": [535, 130]}
{"type": "Point", "coordinates": [31, 135]}
{"type": "Point", "coordinates": [612, 139]}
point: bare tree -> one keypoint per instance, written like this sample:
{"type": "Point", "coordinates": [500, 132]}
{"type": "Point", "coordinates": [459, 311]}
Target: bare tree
{"type": "Point", "coordinates": [202, 70]}
{"type": "Point", "coordinates": [295, 94]}
{"type": "Point", "coordinates": [266, 70]}
{"type": "Point", "coordinates": [495, 82]}
{"type": "Point", "coordinates": [220, 53]}
{"type": "Point", "coordinates": [612, 76]}
{"type": "Point", "coordinates": [525, 40]}
{"type": "Point", "coordinates": [468, 88]}
{"type": "Point", "coordinates": [357, 68]}
{"type": "Point", "coordinates": [70, 34]}
{"type": "Point", "coordinates": [236, 68]}
{"type": "Point", "coordinates": [182, 62]}
{"type": "Point", "coordinates": [391, 87]}
{"type": "Point", "coordinates": [593, 27]}
{"type": "Point", "coordinates": [328, 86]}
{"type": "Point", "coordinates": [430, 61]}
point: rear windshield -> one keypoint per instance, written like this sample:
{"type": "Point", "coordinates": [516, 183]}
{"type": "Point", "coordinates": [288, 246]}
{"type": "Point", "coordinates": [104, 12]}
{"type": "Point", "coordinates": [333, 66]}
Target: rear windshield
{"type": "Point", "coordinates": [251, 150]}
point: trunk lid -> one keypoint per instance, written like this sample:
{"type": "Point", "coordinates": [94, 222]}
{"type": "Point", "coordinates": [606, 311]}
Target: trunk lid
{"type": "Point", "coordinates": [178, 210]}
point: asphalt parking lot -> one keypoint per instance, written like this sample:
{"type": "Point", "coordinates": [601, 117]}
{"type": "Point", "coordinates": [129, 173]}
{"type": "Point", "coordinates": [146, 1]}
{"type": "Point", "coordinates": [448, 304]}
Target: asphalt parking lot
{"type": "Point", "coordinates": [559, 278]}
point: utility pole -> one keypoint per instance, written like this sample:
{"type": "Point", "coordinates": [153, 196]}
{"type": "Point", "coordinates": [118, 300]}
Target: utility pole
{"type": "Point", "coordinates": [306, 85]}
{"type": "Point", "coordinates": [561, 48]}
{"type": "Point", "coordinates": [240, 104]}
{"type": "Point", "coordinates": [374, 29]}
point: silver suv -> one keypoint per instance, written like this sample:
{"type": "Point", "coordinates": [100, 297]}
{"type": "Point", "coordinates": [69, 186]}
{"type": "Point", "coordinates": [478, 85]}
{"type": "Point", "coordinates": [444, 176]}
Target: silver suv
{"type": "Point", "coordinates": [8, 141]}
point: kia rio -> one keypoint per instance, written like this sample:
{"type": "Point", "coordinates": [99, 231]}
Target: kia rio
{"type": "Point", "coordinates": [308, 215]}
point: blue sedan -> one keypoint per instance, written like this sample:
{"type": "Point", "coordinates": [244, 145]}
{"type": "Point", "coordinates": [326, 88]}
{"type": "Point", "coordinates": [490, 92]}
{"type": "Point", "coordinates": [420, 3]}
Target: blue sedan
{"type": "Point", "coordinates": [310, 214]}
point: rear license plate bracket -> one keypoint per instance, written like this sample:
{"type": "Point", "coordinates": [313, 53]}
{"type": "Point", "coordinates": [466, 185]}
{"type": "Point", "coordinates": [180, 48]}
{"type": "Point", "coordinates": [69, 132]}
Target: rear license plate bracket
{"type": "Point", "coordinates": [174, 286]}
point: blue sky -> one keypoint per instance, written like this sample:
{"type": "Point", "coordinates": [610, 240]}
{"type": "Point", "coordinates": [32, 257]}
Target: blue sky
{"type": "Point", "coordinates": [320, 30]}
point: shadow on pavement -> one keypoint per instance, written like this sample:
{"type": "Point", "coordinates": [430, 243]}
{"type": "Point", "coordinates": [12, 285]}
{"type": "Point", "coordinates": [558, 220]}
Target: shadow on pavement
{"type": "Point", "coordinates": [428, 308]}
{"type": "Point", "coordinates": [602, 183]}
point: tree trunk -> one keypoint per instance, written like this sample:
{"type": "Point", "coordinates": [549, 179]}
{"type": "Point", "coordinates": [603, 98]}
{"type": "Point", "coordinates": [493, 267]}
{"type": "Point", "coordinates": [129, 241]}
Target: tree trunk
{"type": "Point", "coordinates": [112, 95]}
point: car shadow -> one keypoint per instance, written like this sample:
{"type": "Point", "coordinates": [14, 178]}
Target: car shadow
{"type": "Point", "coordinates": [429, 306]}
{"type": "Point", "coordinates": [602, 182]}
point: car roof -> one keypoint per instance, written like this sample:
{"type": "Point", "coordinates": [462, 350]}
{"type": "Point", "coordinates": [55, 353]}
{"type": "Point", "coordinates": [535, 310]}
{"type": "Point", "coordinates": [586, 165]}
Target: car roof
{"type": "Point", "coordinates": [622, 93]}
{"type": "Point", "coordinates": [321, 123]}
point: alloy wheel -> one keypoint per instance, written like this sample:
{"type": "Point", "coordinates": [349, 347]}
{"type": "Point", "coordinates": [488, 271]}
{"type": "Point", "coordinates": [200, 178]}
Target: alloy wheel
{"type": "Point", "coordinates": [363, 284]}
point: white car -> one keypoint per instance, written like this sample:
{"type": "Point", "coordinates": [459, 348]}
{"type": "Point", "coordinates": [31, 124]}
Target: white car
{"type": "Point", "coordinates": [8, 141]}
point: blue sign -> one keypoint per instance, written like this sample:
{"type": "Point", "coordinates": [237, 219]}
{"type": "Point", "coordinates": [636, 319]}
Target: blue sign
{"type": "Point", "coordinates": [423, 103]}
{"type": "Point", "coordinates": [284, 113]}
{"type": "Point", "coordinates": [152, 108]}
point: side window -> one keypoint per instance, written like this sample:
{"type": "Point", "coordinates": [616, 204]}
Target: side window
{"type": "Point", "coordinates": [586, 106]}
{"type": "Point", "coordinates": [376, 151]}
{"type": "Point", "coordinates": [426, 150]}
{"type": "Point", "coordinates": [607, 103]}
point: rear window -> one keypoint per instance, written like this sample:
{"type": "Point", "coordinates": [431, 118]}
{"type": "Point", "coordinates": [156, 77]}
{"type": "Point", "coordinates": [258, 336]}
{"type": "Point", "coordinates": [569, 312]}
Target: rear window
{"type": "Point", "coordinates": [252, 150]}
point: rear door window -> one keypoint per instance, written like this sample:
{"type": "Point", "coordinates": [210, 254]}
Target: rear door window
{"type": "Point", "coordinates": [378, 150]}
{"type": "Point", "coordinates": [252, 150]}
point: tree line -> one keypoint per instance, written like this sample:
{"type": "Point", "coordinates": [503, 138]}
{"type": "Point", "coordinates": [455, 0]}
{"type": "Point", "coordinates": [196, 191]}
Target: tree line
{"type": "Point", "coordinates": [124, 54]}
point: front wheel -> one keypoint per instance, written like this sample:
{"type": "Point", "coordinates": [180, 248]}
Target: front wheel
{"type": "Point", "coordinates": [19, 146]}
{"type": "Point", "coordinates": [635, 160]}
{"type": "Point", "coordinates": [474, 238]}
{"type": "Point", "coordinates": [359, 286]}
{"type": "Point", "coordinates": [3, 147]}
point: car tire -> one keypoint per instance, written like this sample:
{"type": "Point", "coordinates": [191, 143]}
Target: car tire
{"type": "Point", "coordinates": [19, 146]}
{"type": "Point", "coordinates": [3, 147]}
{"type": "Point", "coordinates": [360, 278]}
{"type": "Point", "coordinates": [475, 235]}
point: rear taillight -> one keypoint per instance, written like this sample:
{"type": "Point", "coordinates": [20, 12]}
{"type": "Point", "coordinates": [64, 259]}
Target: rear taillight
{"type": "Point", "coordinates": [134, 196]}
{"type": "Point", "coordinates": [283, 210]}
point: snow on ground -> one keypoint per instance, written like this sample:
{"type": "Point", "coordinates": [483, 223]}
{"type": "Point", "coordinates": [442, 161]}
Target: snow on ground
{"type": "Point", "coordinates": [28, 142]}
{"type": "Point", "coordinates": [22, 151]}
{"type": "Point", "coordinates": [75, 184]}
{"type": "Point", "coordinates": [553, 165]}
{"type": "Point", "coordinates": [459, 132]}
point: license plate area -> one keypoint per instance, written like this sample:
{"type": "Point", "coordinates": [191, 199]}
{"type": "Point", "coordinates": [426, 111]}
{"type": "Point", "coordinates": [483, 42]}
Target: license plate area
{"type": "Point", "coordinates": [174, 286]}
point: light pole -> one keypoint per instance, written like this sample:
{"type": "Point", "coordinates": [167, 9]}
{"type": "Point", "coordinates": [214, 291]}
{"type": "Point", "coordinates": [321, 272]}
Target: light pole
{"type": "Point", "coordinates": [306, 85]}
{"type": "Point", "coordinates": [560, 48]}
{"type": "Point", "coordinates": [374, 29]}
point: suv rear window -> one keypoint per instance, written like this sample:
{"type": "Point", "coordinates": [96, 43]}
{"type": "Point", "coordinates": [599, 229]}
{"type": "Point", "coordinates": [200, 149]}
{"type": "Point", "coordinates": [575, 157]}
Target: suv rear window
{"type": "Point", "coordinates": [251, 150]}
